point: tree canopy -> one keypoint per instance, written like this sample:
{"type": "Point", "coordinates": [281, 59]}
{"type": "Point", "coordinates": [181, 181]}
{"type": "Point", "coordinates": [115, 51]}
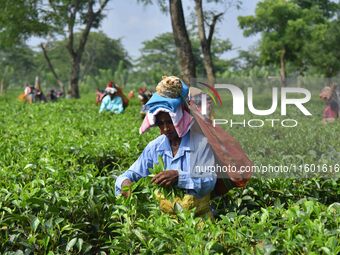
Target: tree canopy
{"type": "Point", "coordinates": [21, 19]}
{"type": "Point", "coordinates": [101, 52]}
{"type": "Point", "coordinates": [289, 31]}
{"type": "Point", "coordinates": [158, 57]}
{"type": "Point", "coordinates": [297, 37]}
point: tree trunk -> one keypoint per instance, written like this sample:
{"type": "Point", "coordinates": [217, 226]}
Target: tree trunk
{"type": "Point", "coordinates": [205, 44]}
{"type": "Point", "coordinates": [300, 81]}
{"type": "Point", "coordinates": [329, 74]}
{"type": "Point", "coordinates": [76, 53]}
{"type": "Point", "coordinates": [2, 86]}
{"type": "Point", "coordinates": [301, 76]}
{"type": "Point", "coordinates": [50, 66]}
{"type": "Point", "coordinates": [283, 68]}
{"type": "Point", "coordinates": [182, 41]}
{"type": "Point", "coordinates": [75, 77]}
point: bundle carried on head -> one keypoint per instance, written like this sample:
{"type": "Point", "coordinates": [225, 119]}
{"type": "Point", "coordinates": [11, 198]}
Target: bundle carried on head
{"type": "Point", "coordinates": [171, 92]}
{"type": "Point", "coordinates": [169, 86]}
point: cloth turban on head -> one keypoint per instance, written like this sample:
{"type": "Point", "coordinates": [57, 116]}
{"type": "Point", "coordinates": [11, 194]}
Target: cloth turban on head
{"type": "Point", "coordinates": [171, 93]}
{"type": "Point", "coordinates": [326, 93]}
{"type": "Point", "coordinates": [110, 90]}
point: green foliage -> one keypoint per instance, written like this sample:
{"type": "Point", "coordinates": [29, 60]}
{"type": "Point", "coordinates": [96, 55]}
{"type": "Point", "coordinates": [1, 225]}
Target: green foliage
{"type": "Point", "coordinates": [5, 76]}
{"type": "Point", "coordinates": [19, 20]}
{"type": "Point", "coordinates": [101, 53]}
{"type": "Point", "coordinates": [275, 19]}
{"type": "Point", "coordinates": [327, 8]}
{"type": "Point", "coordinates": [58, 164]}
{"type": "Point", "coordinates": [323, 49]}
{"type": "Point", "coordinates": [144, 190]}
{"type": "Point", "coordinates": [121, 74]}
{"type": "Point", "coordinates": [296, 31]}
{"type": "Point", "coordinates": [157, 168]}
{"type": "Point", "coordinates": [79, 15]}
{"type": "Point", "coordinates": [21, 59]}
{"type": "Point", "coordinates": [158, 56]}
{"type": "Point", "coordinates": [100, 81]}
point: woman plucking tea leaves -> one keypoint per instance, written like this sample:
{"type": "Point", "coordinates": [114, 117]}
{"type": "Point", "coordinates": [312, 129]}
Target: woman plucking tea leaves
{"type": "Point", "coordinates": [190, 149]}
{"type": "Point", "coordinates": [180, 148]}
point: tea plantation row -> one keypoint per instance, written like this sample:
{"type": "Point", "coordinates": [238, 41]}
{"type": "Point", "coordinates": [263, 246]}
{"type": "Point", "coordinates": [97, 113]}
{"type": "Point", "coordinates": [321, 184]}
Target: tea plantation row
{"type": "Point", "coordinates": [58, 163]}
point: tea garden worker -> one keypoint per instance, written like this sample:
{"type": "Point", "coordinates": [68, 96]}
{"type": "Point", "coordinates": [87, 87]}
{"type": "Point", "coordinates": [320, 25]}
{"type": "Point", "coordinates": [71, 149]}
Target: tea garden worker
{"type": "Point", "coordinates": [180, 147]}
{"type": "Point", "coordinates": [29, 93]}
{"type": "Point", "coordinates": [331, 110]}
{"type": "Point", "coordinates": [111, 102]}
{"type": "Point", "coordinates": [119, 92]}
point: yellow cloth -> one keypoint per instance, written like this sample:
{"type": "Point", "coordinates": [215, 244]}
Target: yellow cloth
{"type": "Point", "coordinates": [22, 97]}
{"type": "Point", "coordinates": [188, 202]}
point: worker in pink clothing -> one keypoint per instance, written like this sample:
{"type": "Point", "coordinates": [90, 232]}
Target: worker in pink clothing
{"type": "Point", "coordinates": [331, 110]}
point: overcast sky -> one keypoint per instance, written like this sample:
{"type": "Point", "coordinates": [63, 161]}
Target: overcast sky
{"type": "Point", "coordinates": [135, 23]}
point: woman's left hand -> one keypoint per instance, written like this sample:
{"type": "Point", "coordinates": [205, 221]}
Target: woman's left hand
{"type": "Point", "coordinates": [166, 178]}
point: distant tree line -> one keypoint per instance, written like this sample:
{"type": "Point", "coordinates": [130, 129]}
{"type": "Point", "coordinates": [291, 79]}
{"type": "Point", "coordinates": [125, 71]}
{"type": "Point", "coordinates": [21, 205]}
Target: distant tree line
{"type": "Point", "coordinates": [303, 33]}
{"type": "Point", "coordinates": [101, 52]}
{"type": "Point", "coordinates": [297, 37]}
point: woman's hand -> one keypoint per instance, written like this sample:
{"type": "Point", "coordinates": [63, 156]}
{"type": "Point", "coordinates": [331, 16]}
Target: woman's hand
{"type": "Point", "coordinates": [166, 178]}
{"type": "Point", "coordinates": [126, 183]}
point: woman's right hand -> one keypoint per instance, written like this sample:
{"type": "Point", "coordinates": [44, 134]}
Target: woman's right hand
{"type": "Point", "coordinates": [166, 178]}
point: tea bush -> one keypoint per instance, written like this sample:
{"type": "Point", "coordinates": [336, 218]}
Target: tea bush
{"type": "Point", "coordinates": [58, 163]}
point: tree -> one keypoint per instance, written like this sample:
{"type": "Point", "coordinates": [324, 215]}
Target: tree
{"type": "Point", "coordinates": [121, 74]}
{"type": "Point", "coordinates": [184, 44]}
{"type": "Point", "coordinates": [5, 75]}
{"type": "Point", "coordinates": [39, 17]}
{"type": "Point", "coordinates": [182, 41]}
{"type": "Point", "coordinates": [247, 59]}
{"type": "Point", "coordinates": [327, 8]}
{"type": "Point", "coordinates": [51, 67]}
{"type": "Point", "coordinates": [158, 56]}
{"type": "Point", "coordinates": [19, 20]}
{"type": "Point", "coordinates": [20, 58]}
{"type": "Point", "coordinates": [206, 41]}
{"type": "Point", "coordinates": [289, 30]}
{"type": "Point", "coordinates": [218, 48]}
{"type": "Point", "coordinates": [101, 52]}
{"type": "Point", "coordinates": [74, 14]}
{"type": "Point", "coordinates": [324, 49]}
{"type": "Point", "coordinates": [210, 18]}
{"type": "Point", "coordinates": [279, 42]}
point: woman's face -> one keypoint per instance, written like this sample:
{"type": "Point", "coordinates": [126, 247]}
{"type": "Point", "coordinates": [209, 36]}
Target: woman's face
{"type": "Point", "coordinates": [166, 127]}
{"type": "Point", "coordinates": [326, 93]}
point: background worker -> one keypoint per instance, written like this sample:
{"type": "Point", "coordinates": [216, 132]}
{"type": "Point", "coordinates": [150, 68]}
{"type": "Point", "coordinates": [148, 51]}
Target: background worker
{"type": "Point", "coordinates": [112, 102]}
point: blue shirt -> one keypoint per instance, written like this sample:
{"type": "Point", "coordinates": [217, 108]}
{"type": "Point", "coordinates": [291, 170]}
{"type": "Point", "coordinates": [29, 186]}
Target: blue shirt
{"type": "Point", "coordinates": [193, 145]}
{"type": "Point", "coordinates": [115, 105]}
